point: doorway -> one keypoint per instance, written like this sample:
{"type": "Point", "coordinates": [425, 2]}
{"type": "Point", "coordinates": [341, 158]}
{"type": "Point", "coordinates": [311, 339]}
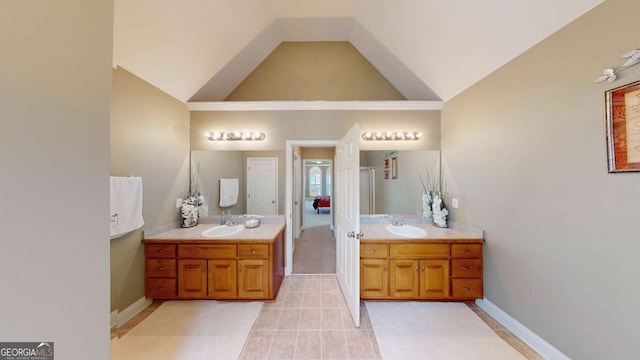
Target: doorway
{"type": "Point", "coordinates": [298, 207]}
{"type": "Point", "coordinates": [317, 179]}
{"type": "Point", "coordinates": [314, 249]}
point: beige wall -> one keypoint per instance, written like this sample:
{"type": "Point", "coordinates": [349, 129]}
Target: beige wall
{"type": "Point", "coordinates": [526, 155]}
{"type": "Point", "coordinates": [54, 151]}
{"type": "Point", "coordinates": [314, 71]}
{"type": "Point", "coordinates": [280, 126]}
{"type": "Point", "coordinates": [149, 138]}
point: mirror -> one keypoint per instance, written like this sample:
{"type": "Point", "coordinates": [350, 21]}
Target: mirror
{"type": "Point", "coordinates": [400, 191]}
{"type": "Point", "coordinates": [399, 196]}
{"type": "Point", "coordinates": [217, 164]}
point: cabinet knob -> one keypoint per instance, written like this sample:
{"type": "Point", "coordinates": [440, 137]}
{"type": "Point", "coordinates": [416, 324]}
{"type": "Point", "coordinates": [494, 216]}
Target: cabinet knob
{"type": "Point", "coordinates": [466, 288]}
{"type": "Point", "coordinates": [465, 268]}
{"type": "Point", "coordinates": [161, 250]}
{"type": "Point", "coordinates": [162, 288]}
{"type": "Point", "coordinates": [252, 251]}
{"type": "Point", "coordinates": [161, 268]}
{"type": "Point", "coordinates": [372, 250]}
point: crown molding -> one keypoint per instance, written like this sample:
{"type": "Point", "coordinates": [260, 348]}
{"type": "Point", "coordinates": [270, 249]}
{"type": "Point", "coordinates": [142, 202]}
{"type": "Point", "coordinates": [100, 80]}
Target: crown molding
{"type": "Point", "coordinates": [398, 105]}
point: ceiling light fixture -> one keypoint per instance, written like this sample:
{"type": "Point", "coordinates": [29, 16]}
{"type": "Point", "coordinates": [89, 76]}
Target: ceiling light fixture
{"type": "Point", "coordinates": [391, 135]}
{"type": "Point", "coordinates": [236, 135]}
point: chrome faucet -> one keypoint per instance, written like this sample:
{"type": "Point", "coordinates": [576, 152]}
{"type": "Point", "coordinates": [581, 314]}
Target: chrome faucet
{"type": "Point", "coordinates": [397, 221]}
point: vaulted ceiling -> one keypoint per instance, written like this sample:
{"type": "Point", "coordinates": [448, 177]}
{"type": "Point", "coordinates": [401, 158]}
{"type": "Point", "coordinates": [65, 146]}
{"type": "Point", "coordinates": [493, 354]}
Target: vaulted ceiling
{"type": "Point", "coordinates": [428, 49]}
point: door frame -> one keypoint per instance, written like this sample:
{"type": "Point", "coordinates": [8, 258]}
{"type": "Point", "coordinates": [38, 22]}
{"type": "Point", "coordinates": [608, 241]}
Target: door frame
{"type": "Point", "coordinates": [290, 144]}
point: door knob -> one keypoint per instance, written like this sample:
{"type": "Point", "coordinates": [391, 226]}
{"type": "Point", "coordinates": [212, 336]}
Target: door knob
{"type": "Point", "coordinates": [351, 234]}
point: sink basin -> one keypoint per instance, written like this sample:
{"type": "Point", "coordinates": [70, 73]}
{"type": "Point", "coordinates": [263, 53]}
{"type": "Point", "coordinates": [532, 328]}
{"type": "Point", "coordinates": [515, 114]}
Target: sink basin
{"type": "Point", "coordinates": [221, 230]}
{"type": "Point", "coordinates": [407, 231]}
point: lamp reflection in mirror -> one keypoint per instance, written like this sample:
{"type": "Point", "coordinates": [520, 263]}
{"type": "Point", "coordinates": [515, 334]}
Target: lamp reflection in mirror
{"type": "Point", "coordinates": [391, 135]}
{"type": "Point", "coordinates": [236, 135]}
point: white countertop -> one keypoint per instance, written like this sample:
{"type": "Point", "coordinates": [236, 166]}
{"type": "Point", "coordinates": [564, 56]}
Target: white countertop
{"type": "Point", "coordinates": [262, 232]}
{"type": "Point", "coordinates": [379, 232]}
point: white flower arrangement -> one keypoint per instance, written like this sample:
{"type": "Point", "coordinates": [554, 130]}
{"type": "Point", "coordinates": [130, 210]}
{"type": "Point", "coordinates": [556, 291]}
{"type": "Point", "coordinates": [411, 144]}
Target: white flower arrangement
{"type": "Point", "coordinates": [192, 202]}
{"type": "Point", "coordinates": [433, 198]}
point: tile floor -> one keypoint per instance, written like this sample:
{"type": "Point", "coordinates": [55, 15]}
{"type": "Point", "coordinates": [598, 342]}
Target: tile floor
{"type": "Point", "coordinates": [310, 320]}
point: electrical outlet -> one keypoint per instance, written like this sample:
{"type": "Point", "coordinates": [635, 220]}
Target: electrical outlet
{"type": "Point", "coordinates": [454, 203]}
{"type": "Point", "coordinates": [178, 203]}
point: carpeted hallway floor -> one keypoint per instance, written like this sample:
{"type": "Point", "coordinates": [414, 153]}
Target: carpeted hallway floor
{"type": "Point", "coordinates": [315, 251]}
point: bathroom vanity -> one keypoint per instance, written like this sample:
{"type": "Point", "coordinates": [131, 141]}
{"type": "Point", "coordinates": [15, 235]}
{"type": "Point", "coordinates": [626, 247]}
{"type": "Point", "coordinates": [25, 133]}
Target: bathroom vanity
{"type": "Point", "coordinates": [443, 264]}
{"type": "Point", "coordinates": [247, 265]}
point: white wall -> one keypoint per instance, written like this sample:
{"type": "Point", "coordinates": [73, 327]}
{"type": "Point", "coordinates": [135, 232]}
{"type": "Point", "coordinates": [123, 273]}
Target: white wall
{"type": "Point", "coordinates": [54, 154]}
{"type": "Point", "coordinates": [526, 155]}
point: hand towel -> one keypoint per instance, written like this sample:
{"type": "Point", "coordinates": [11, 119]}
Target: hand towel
{"type": "Point", "coordinates": [126, 205]}
{"type": "Point", "coordinates": [228, 192]}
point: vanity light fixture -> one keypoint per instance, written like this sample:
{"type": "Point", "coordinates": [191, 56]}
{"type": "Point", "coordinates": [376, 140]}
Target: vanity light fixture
{"type": "Point", "coordinates": [391, 135]}
{"type": "Point", "coordinates": [236, 135]}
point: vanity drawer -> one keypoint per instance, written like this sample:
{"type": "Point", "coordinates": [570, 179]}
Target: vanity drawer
{"type": "Point", "coordinates": [160, 288]}
{"type": "Point", "coordinates": [419, 250]}
{"type": "Point", "coordinates": [374, 251]}
{"type": "Point", "coordinates": [466, 288]}
{"type": "Point", "coordinates": [253, 251]}
{"type": "Point", "coordinates": [466, 250]}
{"type": "Point", "coordinates": [466, 268]}
{"type": "Point", "coordinates": [160, 268]}
{"type": "Point", "coordinates": [160, 250]}
{"type": "Point", "coordinates": [215, 251]}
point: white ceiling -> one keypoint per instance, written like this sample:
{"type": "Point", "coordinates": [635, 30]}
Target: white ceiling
{"type": "Point", "coordinates": [429, 49]}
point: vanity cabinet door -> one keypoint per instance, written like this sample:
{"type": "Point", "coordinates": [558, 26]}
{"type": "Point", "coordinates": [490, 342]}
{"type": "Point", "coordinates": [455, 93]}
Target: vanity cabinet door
{"type": "Point", "coordinates": [374, 278]}
{"type": "Point", "coordinates": [403, 278]}
{"type": "Point", "coordinates": [434, 279]}
{"type": "Point", "coordinates": [222, 279]}
{"type": "Point", "coordinates": [253, 279]}
{"type": "Point", "coordinates": [192, 278]}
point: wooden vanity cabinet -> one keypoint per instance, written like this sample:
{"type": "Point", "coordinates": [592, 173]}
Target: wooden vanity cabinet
{"type": "Point", "coordinates": [225, 271]}
{"type": "Point", "coordinates": [466, 271]}
{"type": "Point", "coordinates": [374, 271]}
{"type": "Point", "coordinates": [420, 270]}
{"type": "Point", "coordinates": [160, 271]}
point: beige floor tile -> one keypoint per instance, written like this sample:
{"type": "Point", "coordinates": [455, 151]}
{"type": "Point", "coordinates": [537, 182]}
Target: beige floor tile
{"type": "Point", "coordinates": [359, 344]}
{"type": "Point", "coordinates": [258, 345]}
{"type": "Point", "coordinates": [309, 344]}
{"type": "Point", "coordinates": [311, 319]}
{"type": "Point", "coordinates": [284, 344]}
{"type": "Point", "coordinates": [267, 319]}
{"type": "Point", "coordinates": [293, 300]}
{"type": "Point", "coordinates": [332, 319]}
{"type": "Point", "coordinates": [334, 344]}
{"type": "Point", "coordinates": [289, 319]}
{"type": "Point", "coordinates": [313, 284]}
{"type": "Point", "coordinates": [331, 299]}
{"type": "Point", "coordinates": [312, 300]}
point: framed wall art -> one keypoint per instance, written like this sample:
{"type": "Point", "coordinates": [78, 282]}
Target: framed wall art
{"type": "Point", "coordinates": [391, 165]}
{"type": "Point", "coordinates": [623, 128]}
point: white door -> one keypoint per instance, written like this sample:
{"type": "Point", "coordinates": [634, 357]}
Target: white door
{"type": "Point", "coordinates": [347, 212]}
{"type": "Point", "coordinates": [297, 194]}
{"type": "Point", "coordinates": [262, 186]}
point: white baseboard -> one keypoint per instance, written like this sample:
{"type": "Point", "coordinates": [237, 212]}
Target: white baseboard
{"type": "Point", "coordinates": [537, 343]}
{"type": "Point", "coordinates": [120, 317]}
{"type": "Point", "coordinates": [114, 318]}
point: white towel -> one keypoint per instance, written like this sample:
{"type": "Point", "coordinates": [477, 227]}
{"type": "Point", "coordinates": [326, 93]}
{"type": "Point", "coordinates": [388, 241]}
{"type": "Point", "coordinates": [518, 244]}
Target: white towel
{"type": "Point", "coordinates": [228, 192]}
{"type": "Point", "coordinates": [126, 205]}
